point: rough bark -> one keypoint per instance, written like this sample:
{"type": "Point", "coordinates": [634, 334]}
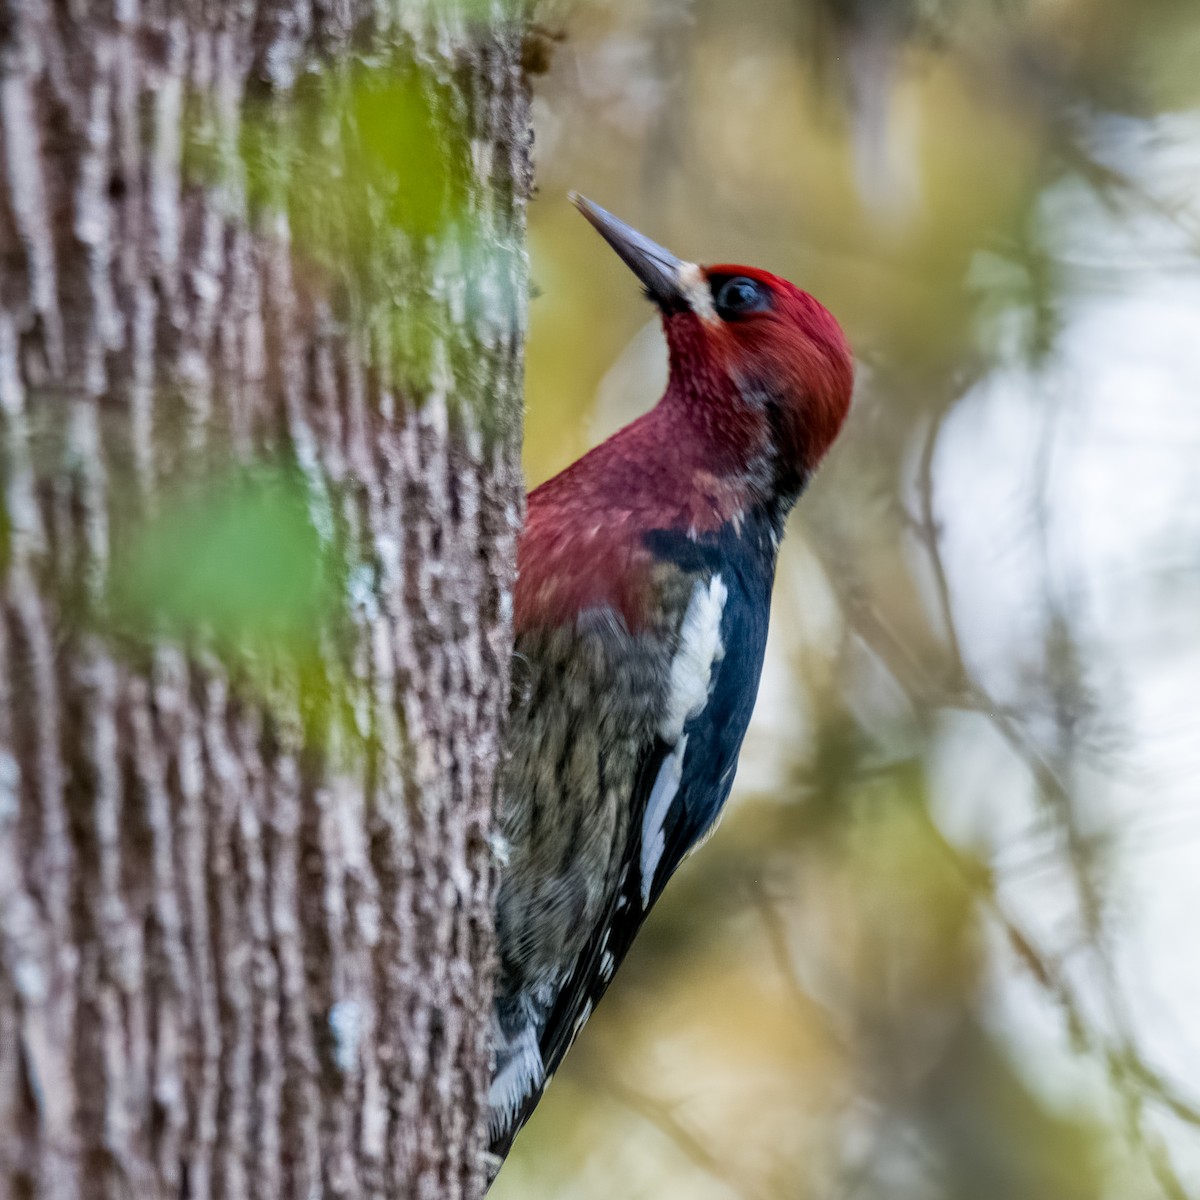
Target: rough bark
{"type": "Point", "coordinates": [245, 927]}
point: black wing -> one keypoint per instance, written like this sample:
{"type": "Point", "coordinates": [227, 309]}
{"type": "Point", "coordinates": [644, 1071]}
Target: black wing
{"type": "Point", "coordinates": [597, 962]}
{"type": "Point", "coordinates": [714, 737]}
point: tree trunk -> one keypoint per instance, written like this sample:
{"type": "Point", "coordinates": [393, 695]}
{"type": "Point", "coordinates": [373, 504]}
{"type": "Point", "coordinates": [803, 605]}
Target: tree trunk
{"type": "Point", "coordinates": [253, 255]}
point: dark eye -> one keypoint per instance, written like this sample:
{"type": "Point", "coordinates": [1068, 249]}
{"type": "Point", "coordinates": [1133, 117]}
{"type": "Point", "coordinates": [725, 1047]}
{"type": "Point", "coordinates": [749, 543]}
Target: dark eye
{"type": "Point", "coordinates": [738, 296]}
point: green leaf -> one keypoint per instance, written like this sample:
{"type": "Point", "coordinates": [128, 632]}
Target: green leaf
{"type": "Point", "coordinates": [238, 561]}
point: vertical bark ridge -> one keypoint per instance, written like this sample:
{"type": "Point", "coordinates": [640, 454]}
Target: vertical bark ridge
{"type": "Point", "coordinates": [245, 917]}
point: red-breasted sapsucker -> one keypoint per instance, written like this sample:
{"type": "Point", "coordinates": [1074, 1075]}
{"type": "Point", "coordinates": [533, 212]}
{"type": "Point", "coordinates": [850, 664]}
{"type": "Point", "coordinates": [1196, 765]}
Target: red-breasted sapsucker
{"type": "Point", "coordinates": [641, 606]}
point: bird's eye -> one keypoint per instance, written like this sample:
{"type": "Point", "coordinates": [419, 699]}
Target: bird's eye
{"type": "Point", "coordinates": [738, 296]}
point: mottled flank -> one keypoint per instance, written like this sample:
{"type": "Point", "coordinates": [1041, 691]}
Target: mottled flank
{"type": "Point", "coordinates": [245, 943]}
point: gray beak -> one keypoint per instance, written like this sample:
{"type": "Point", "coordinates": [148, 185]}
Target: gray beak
{"type": "Point", "coordinates": [661, 273]}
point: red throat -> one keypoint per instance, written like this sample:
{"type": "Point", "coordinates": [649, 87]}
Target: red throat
{"type": "Point", "coordinates": [583, 546]}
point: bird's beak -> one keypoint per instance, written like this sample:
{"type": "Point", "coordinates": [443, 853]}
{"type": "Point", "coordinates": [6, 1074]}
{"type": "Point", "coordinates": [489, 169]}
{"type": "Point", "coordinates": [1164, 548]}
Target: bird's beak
{"type": "Point", "coordinates": [668, 280]}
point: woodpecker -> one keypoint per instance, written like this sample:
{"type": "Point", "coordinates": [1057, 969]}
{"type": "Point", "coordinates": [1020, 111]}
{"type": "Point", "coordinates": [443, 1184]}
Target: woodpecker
{"type": "Point", "coordinates": [643, 593]}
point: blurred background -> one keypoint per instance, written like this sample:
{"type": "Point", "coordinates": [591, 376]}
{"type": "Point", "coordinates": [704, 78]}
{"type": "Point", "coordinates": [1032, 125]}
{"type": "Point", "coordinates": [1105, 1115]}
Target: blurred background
{"type": "Point", "coordinates": [945, 941]}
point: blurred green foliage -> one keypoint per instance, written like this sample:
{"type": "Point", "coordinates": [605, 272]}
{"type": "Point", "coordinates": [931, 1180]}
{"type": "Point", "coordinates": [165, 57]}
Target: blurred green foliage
{"type": "Point", "coordinates": [356, 160]}
{"type": "Point", "coordinates": [372, 167]}
{"type": "Point", "coordinates": [236, 561]}
{"type": "Point", "coordinates": [492, 14]}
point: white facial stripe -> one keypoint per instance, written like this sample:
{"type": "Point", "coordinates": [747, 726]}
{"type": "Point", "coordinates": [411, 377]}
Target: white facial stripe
{"type": "Point", "coordinates": [696, 292]}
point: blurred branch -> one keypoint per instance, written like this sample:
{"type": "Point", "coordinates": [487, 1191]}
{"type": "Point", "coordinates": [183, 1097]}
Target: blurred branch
{"type": "Point", "coordinates": [1133, 1083]}
{"type": "Point", "coordinates": [1125, 1069]}
{"type": "Point", "coordinates": [929, 530]}
{"type": "Point", "coordinates": [1117, 187]}
{"type": "Point", "coordinates": [659, 1114]}
{"type": "Point", "coordinates": [776, 932]}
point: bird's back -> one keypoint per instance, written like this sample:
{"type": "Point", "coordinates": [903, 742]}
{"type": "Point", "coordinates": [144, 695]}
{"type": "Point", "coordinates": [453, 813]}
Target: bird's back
{"type": "Point", "coordinates": [625, 725]}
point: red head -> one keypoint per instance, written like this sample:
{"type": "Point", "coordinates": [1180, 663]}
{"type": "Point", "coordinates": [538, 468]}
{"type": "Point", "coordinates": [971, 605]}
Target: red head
{"type": "Point", "coordinates": [761, 369]}
{"type": "Point", "coordinates": [760, 385]}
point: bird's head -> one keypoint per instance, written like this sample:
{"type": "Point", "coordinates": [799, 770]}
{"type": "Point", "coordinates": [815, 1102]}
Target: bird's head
{"type": "Point", "coordinates": [761, 368]}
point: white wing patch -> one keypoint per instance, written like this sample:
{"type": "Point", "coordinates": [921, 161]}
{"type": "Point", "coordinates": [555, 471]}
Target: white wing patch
{"type": "Point", "coordinates": [700, 649]}
{"type": "Point", "coordinates": [582, 1019]}
{"type": "Point", "coordinates": [654, 838]}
